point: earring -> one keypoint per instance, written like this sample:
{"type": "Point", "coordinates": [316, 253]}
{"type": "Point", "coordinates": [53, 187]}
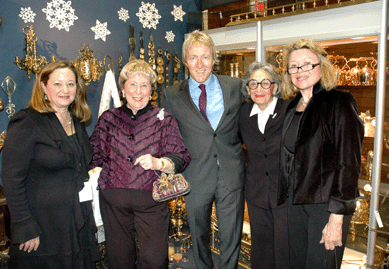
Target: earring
{"type": "Point", "coordinates": [150, 98]}
{"type": "Point", "coordinates": [124, 94]}
{"type": "Point", "coordinates": [45, 97]}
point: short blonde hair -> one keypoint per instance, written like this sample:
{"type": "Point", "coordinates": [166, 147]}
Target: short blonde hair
{"type": "Point", "coordinates": [328, 78]}
{"type": "Point", "coordinates": [137, 66]}
{"type": "Point", "coordinates": [78, 107]}
{"type": "Point", "coordinates": [197, 36]}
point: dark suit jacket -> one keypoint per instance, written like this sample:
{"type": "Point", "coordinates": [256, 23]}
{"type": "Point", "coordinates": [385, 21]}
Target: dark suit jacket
{"type": "Point", "coordinates": [39, 170]}
{"type": "Point", "coordinates": [327, 158]}
{"type": "Point", "coordinates": [206, 146]}
{"type": "Point", "coordinates": [263, 154]}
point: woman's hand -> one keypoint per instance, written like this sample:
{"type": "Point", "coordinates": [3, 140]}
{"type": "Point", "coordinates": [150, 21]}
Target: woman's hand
{"type": "Point", "coordinates": [332, 232]}
{"type": "Point", "coordinates": [30, 245]}
{"type": "Point", "coordinates": [148, 162]}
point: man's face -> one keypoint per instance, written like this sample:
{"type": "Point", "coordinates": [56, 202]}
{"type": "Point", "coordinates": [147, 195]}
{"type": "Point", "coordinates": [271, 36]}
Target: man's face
{"type": "Point", "coordinates": [199, 62]}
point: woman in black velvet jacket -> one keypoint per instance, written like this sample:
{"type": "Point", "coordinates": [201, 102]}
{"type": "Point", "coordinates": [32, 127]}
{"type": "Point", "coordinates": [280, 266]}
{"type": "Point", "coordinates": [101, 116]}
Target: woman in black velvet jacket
{"type": "Point", "coordinates": [320, 158]}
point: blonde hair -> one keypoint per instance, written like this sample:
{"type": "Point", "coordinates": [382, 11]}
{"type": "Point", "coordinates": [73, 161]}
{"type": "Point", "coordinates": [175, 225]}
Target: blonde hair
{"type": "Point", "coordinates": [197, 36]}
{"type": "Point", "coordinates": [137, 66]}
{"type": "Point", "coordinates": [328, 77]}
{"type": "Point", "coordinates": [78, 107]}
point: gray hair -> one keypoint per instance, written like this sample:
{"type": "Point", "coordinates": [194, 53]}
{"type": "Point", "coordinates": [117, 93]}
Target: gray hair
{"type": "Point", "coordinates": [255, 66]}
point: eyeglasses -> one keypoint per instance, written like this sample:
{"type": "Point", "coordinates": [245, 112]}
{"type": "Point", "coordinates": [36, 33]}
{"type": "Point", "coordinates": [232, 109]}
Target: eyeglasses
{"type": "Point", "coordinates": [265, 84]}
{"type": "Point", "coordinates": [304, 68]}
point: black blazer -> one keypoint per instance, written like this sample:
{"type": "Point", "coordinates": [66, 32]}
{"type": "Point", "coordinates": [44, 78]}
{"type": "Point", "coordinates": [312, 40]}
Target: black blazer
{"type": "Point", "coordinates": [263, 154]}
{"type": "Point", "coordinates": [213, 152]}
{"type": "Point", "coordinates": [39, 171]}
{"type": "Point", "coordinates": [327, 159]}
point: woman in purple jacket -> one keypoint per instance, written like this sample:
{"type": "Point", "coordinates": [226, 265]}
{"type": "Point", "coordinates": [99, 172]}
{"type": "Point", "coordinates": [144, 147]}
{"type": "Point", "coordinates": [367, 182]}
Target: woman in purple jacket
{"type": "Point", "coordinates": [132, 144]}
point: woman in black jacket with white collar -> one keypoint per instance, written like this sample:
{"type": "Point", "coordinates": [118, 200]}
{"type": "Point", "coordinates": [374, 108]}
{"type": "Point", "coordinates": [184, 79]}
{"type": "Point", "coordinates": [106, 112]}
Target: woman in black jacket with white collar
{"type": "Point", "coordinates": [320, 158]}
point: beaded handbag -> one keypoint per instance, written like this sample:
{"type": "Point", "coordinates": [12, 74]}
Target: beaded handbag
{"type": "Point", "coordinates": [170, 186]}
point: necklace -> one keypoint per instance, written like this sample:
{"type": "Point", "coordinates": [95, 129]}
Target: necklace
{"type": "Point", "coordinates": [67, 123]}
{"type": "Point", "coordinates": [304, 103]}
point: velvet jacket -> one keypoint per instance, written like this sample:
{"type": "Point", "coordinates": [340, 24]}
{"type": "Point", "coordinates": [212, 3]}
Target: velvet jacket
{"type": "Point", "coordinates": [120, 137]}
{"type": "Point", "coordinates": [327, 158]}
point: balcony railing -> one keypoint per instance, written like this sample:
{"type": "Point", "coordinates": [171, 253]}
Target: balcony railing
{"type": "Point", "coordinates": [263, 10]}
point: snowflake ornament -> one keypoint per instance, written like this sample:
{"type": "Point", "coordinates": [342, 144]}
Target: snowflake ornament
{"type": "Point", "coordinates": [60, 14]}
{"type": "Point", "coordinates": [178, 13]}
{"type": "Point", "coordinates": [100, 30]}
{"type": "Point", "coordinates": [27, 15]}
{"type": "Point", "coordinates": [148, 15]}
{"type": "Point", "coordinates": [170, 36]}
{"type": "Point", "coordinates": [123, 14]}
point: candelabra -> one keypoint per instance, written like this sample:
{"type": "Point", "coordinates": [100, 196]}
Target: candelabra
{"type": "Point", "coordinates": [31, 62]}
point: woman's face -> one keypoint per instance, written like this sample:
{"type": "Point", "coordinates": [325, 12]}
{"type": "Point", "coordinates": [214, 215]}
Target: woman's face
{"type": "Point", "coordinates": [137, 90]}
{"type": "Point", "coordinates": [261, 96]}
{"type": "Point", "coordinates": [61, 88]}
{"type": "Point", "coordinates": [304, 80]}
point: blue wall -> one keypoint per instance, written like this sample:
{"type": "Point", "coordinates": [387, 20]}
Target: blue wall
{"type": "Point", "coordinates": [66, 45]}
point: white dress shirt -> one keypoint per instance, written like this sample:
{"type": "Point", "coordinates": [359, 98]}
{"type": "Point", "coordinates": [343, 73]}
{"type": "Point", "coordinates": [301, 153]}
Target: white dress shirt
{"type": "Point", "coordinates": [263, 116]}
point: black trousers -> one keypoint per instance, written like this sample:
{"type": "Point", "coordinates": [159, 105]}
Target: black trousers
{"type": "Point", "coordinates": [125, 211]}
{"type": "Point", "coordinates": [306, 223]}
{"type": "Point", "coordinates": [269, 237]}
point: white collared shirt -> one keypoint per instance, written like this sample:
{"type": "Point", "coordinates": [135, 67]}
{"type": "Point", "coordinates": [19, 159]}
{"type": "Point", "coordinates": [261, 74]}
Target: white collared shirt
{"type": "Point", "coordinates": [263, 116]}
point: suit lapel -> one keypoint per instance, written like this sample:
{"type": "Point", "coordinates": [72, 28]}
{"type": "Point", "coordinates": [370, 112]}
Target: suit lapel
{"type": "Point", "coordinates": [275, 117]}
{"type": "Point", "coordinates": [226, 97]}
{"type": "Point", "coordinates": [253, 120]}
{"type": "Point", "coordinates": [185, 96]}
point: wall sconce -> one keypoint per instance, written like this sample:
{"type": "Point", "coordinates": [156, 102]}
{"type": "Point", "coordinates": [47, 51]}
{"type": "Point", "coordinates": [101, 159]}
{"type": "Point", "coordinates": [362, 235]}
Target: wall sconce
{"type": "Point", "coordinates": [9, 87]}
{"type": "Point", "coordinates": [31, 62]}
{"type": "Point", "coordinates": [88, 67]}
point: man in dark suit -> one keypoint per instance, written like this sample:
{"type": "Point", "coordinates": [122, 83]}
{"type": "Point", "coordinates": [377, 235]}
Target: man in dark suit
{"type": "Point", "coordinates": [208, 120]}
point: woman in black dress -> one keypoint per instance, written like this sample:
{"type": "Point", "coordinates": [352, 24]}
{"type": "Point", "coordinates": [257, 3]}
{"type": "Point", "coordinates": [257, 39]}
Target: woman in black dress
{"type": "Point", "coordinates": [46, 158]}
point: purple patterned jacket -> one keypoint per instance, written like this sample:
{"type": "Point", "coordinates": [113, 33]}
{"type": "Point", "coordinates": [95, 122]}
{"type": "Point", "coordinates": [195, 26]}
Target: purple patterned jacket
{"type": "Point", "coordinates": [120, 137]}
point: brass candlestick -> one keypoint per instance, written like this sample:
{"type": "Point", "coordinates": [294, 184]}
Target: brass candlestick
{"type": "Point", "coordinates": [160, 77]}
{"type": "Point", "coordinates": [178, 212]}
{"type": "Point", "coordinates": [31, 63]}
{"type": "Point", "coordinates": [151, 52]}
